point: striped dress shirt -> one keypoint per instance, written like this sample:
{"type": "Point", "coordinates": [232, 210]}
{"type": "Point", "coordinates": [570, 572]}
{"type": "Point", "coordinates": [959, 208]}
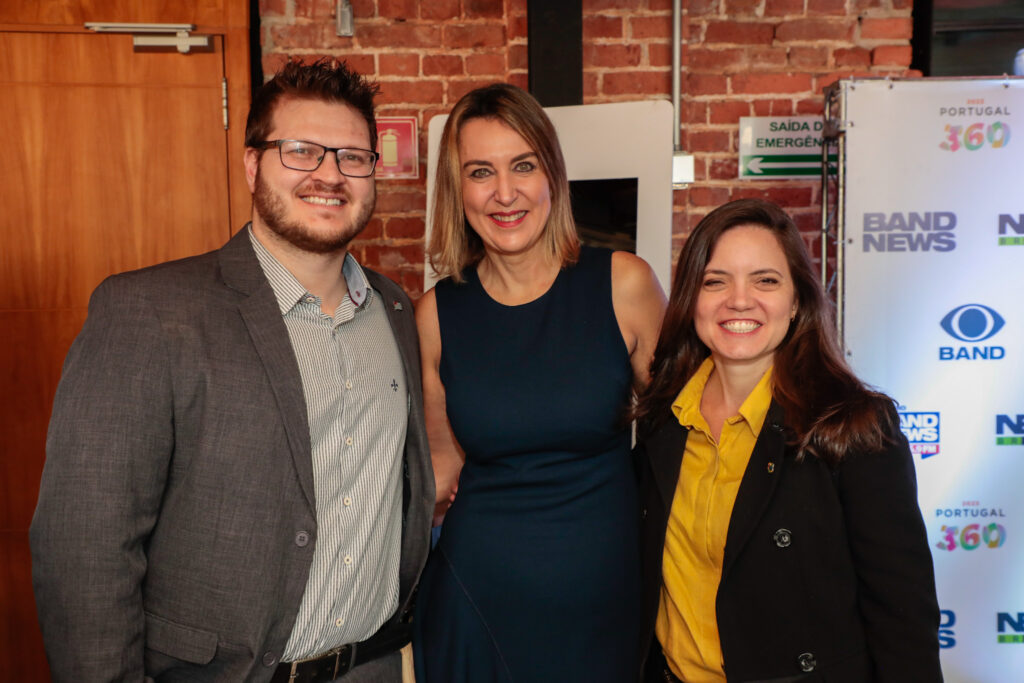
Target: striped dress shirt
{"type": "Point", "coordinates": [357, 406]}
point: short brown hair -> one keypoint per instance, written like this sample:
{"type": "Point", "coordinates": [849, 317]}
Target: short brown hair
{"type": "Point", "coordinates": [453, 244]}
{"type": "Point", "coordinates": [325, 79]}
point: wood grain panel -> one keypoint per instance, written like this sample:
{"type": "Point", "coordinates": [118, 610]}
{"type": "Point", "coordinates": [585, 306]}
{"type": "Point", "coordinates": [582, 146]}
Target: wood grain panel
{"type": "Point", "coordinates": [32, 350]}
{"type": "Point", "coordinates": [77, 12]}
{"type": "Point", "coordinates": [129, 174]}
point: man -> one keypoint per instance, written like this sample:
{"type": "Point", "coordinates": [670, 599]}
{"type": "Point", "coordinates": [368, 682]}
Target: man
{"type": "Point", "coordinates": [237, 484]}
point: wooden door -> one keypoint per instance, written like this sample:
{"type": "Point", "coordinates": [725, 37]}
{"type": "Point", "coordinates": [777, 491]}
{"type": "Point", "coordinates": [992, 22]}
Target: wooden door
{"type": "Point", "coordinates": [111, 160]}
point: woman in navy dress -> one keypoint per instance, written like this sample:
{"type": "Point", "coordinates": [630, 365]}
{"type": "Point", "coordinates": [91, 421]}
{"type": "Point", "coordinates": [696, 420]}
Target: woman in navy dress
{"type": "Point", "coordinates": [531, 348]}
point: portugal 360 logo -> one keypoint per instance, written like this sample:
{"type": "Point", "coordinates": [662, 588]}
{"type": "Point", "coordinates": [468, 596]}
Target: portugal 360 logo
{"type": "Point", "coordinates": [972, 323]}
{"type": "Point", "coordinates": [986, 532]}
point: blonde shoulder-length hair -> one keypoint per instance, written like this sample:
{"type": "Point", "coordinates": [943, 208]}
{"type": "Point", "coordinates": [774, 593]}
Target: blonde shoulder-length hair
{"type": "Point", "coordinates": [454, 245]}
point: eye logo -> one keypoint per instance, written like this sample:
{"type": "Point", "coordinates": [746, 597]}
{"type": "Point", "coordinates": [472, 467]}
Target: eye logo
{"type": "Point", "coordinates": [972, 322]}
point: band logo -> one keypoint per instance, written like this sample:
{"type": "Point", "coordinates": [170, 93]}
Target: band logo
{"type": "Point", "coordinates": [1007, 223]}
{"type": "Point", "coordinates": [947, 620]}
{"type": "Point", "coordinates": [1010, 430]}
{"type": "Point", "coordinates": [972, 323]}
{"type": "Point", "coordinates": [913, 231]}
{"type": "Point", "coordinates": [922, 432]}
{"type": "Point", "coordinates": [1006, 622]}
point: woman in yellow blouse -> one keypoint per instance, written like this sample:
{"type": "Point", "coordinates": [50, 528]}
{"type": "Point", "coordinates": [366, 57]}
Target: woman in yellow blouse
{"type": "Point", "coordinates": [782, 535]}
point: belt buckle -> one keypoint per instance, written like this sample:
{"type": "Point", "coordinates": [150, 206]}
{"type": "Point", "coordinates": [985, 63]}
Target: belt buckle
{"type": "Point", "coordinates": [342, 666]}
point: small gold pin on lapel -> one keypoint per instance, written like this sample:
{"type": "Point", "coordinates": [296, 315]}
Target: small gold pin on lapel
{"type": "Point", "coordinates": [771, 468]}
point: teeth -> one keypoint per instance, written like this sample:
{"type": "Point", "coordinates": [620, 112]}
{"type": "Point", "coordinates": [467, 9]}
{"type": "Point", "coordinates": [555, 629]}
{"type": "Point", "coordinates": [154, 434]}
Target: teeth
{"type": "Point", "coordinates": [322, 201]}
{"type": "Point", "coordinates": [508, 219]}
{"type": "Point", "coordinates": [741, 325]}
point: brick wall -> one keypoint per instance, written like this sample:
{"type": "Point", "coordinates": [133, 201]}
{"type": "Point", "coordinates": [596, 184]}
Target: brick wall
{"type": "Point", "coordinates": [740, 58]}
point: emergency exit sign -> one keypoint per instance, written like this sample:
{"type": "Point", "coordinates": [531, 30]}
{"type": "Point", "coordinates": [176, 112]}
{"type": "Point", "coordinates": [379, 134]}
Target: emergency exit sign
{"type": "Point", "coordinates": [780, 147]}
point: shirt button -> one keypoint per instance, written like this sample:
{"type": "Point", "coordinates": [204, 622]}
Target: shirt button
{"type": "Point", "coordinates": [347, 500]}
{"type": "Point", "coordinates": [783, 538]}
{"type": "Point", "coordinates": [339, 621]}
{"type": "Point", "coordinates": [302, 539]}
{"type": "Point", "coordinates": [806, 662]}
{"type": "Point", "coordinates": [269, 659]}
{"type": "Point", "coordinates": [310, 300]}
{"type": "Point", "coordinates": [348, 559]}
{"type": "Point", "coordinates": [348, 441]}
{"type": "Point", "coordinates": [348, 384]}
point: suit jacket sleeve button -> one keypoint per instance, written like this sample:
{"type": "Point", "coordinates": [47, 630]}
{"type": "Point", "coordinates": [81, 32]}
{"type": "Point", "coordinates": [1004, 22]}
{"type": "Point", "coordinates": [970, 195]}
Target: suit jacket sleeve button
{"type": "Point", "coordinates": [269, 659]}
{"type": "Point", "coordinates": [643, 513]}
{"type": "Point", "coordinates": [302, 539]}
{"type": "Point", "coordinates": [806, 662]}
{"type": "Point", "coordinates": [783, 538]}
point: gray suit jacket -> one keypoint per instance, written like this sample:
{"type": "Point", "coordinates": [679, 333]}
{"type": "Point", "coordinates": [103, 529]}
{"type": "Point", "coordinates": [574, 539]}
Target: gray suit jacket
{"type": "Point", "coordinates": [176, 521]}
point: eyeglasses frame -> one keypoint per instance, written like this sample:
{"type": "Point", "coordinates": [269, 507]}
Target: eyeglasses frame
{"type": "Point", "coordinates": [267, 144]}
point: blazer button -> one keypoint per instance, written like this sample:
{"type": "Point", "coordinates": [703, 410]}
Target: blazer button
{"type": "Point", "coordinates": [783, 538]}
{"type": "Point", "coordinates": [643, 513]}
{"type": "Point", "coordinates": [302, 539]}
{"type": "Point", "coordinates": [269, 659]}
{"type": "Point", "coordinates": [806, 662]}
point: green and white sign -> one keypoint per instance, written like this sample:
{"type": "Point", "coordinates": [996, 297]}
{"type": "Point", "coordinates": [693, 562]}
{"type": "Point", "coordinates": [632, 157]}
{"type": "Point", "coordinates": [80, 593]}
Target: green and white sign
{"type": "Point", "coordinates": [780, 147]}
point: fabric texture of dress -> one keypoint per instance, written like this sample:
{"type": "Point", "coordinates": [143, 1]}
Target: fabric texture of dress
{"type": "Point", "coordinates": [535, 577]}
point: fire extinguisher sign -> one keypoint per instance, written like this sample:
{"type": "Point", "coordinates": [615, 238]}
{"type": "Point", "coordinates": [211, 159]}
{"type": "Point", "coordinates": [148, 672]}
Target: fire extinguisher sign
{"type": "Point", "coordinates": [398, 147]}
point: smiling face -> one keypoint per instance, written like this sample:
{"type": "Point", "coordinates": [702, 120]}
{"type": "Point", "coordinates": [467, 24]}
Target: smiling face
{"type": "Point", "coordinates": [505, 193]}
{"type": "Point", "coordinates": [747, 298]}
{"type": "Point", "coordinates": [315, 211]}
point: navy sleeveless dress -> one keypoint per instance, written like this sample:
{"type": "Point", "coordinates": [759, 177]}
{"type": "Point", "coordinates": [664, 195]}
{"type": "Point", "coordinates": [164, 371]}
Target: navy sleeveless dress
{"type": "Point", "coordinates": [536, 576]}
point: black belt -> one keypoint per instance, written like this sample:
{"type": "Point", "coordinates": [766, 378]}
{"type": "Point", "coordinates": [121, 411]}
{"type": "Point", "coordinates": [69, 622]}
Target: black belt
{"type": "Point", "coordinates": [338, 662]}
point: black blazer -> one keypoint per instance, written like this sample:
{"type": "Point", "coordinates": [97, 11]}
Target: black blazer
{"type": "Point", "coordinates": [827, 574]}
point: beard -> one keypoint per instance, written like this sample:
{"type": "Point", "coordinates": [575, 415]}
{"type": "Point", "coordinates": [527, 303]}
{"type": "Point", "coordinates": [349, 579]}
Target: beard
{"type": "Point", "coordinates": [273, 212]}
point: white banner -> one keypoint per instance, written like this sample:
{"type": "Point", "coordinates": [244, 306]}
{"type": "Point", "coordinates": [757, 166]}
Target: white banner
{"type": "Point", "coordinates": [934, 275]}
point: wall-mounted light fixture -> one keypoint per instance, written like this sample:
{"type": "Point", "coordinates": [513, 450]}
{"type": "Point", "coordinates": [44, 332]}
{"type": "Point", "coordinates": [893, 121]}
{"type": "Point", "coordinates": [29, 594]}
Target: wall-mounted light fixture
{"type": "Point", "coordinates": [343, 17]}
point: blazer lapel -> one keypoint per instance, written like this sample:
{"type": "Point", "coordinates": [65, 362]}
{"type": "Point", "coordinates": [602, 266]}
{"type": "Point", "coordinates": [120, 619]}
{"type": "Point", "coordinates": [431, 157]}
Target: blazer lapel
{"type": "Point", "coordinates": [759, 483]}
{"type": "Point", "coordinates": [262, 316]}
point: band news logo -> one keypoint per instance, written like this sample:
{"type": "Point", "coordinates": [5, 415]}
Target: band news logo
{"type": "Point", "coordinates": [1011, 230]}
{"type": "Point", "coordinates": [1010, 627]}
{"type": "Point", "coordinates": [971, 526]}
{"type": "Point", "coordinates": [947, 637]}
{"type": "Point", "coordinates": [1010, 430]}
{"type": "Point", "coordinates": [972, 323]}
{"type": "Point", "coordinates": [922, 431]}
{"type": "Point", "coordinates": [912, 231]}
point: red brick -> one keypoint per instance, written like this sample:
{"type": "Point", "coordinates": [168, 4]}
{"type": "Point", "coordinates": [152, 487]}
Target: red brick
{"type": "Point", "coordinates": [357, 61]}
{"type": "Point", "coordinates": [659, 54]}
{"type": "Point", "coordinates": [856, 57]}
{"type": "Point", "coordinates": [518, 27]}
{"type": "Point", "coordinates": [314, 9]}
{"type": "Point", "coordinates": [439, 10]}
{"type": "Point", "coordinates": [417, 90]}
{"type": "Point", "coordinates": [902, 4]}
{"type": "Point", "coordinates": [405, 201]}
{"type": "Point", "coordinates": [708, 141]}
{"type": "Point", "coordinates": [408, 35]}
{"type": "Point", "coordinates": [601, 27]}
{"type": "Point", "coordinates": [739, 32]}
{"type": "Point", "coordinates": [766, 58]}
{"type": "Point", "coordinates": [459, 87]}
{"type": "Point", "coordinates": [694, 112]}
{"type": "Point", "coordinates": [709, 196]}
{"type": "Point", "coordinates": [373, 230]}
{"type": "Point", "coordinates": [827, 7]}
{"type": "Point", "coordinates": [857, 5]}
{"type": "Point", "coordinates": [297, 35]}
{"type": "Point", "coordinates": [815, 106]}
{"type": "Point", "coordinates": [636, 82]}
{"type": "Point", "coordinates": [399, 65]}
{"type": "Point", "coordinates": [891, 55]}
{"type": "Point", "coordinates": [442, 65]}
{"type": "Point", "coordinates": [783, 8]}
{"type": "Point", "coordinates": [659, 5]}
{"type": "Point", "coordinates": [479, 64]}
{"type": "Point", "coordinates": [719, 61]}
{"type": "Point", "coordinates": [773, 108]}
{"type": "Point", "coordinates": [641, 28]}
{"type": "Point", "coordinates": [814, 30]}
{"type": "Point", "coordinates": [612, 56]}
{"type": "Point", "coordinates": [729, 111]}
{"type": "Point", "coordinates": [893, 28]}
{"type": "Point", "coordinates": [397, 9]}
{"type": "Point", "coordinates": [598, 5]}
{"type": "Point", "coordinates": [272, 63]}
{"type": "Point", "coordinates": [404, 228]}
{"type": "Point", "coordinates": [517, 6]}
{"type": "Point", "coordinates": [519, 57]}
{"type": "Point", "coordinates": [700, 167]}
{"type": "Point", "coordinates": [723, 169]}
{"type": "Point", "coordinates": [696, 8]}
{"type": "Point", "coordinates": [771, 83]}
{"type": "Point", "coordinates": [271, 7]}
{"type": "Point", "coordinates": [740, 7]}
{"type": "Point", "coordinates": [706, 84]}
{"type": "Point", "coordinates": [474, 35]}
{"type": "Point", "coordinates": [808, 222]}
{"type": "Point", "coordinates": [362, 9]}
{"type": "Point", "coordinates": [809, 57]}
{"type": "Point", "coordinates": [521, 80]}
{"type": "Point", "coordinates": [490, 9]}
{"type": "Point", "coordinates": [785, 195]}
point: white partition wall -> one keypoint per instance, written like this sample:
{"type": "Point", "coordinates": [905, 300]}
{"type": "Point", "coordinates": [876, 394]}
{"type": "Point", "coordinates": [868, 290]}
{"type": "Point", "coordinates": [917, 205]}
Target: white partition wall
{"type": "Point", "coordinates": [601, 141]}
{"type": "Point", "coordinates": [934, 316]}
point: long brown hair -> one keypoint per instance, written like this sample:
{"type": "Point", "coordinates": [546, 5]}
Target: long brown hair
{"type": "Point", "coordinates": [453, 243]}
{"type": "Point", "coordinates": [828, 411]}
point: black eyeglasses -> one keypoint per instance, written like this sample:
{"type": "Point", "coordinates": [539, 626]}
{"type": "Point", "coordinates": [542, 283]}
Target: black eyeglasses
{"type": "Point", "coordinates": [302, 155]}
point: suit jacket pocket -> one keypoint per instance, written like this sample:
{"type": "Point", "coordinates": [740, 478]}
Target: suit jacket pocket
{"type": "Point", "coordinates": [179, 641]}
